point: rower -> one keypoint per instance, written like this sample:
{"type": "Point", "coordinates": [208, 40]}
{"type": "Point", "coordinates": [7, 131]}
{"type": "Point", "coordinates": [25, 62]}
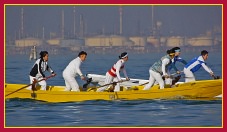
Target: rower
{"type": "Point", "coordinates": [159, 70]}
{"type": "Point", "coordinates": [176, 58]}
{"type": "Point", "coordinates": [38, 69]}
{"type": "Point", "coordinates": [195, 64]}
{"type": "Point", "coordinates": [114, 73]}
{"type": "Point", "coordinates": [73, 70]}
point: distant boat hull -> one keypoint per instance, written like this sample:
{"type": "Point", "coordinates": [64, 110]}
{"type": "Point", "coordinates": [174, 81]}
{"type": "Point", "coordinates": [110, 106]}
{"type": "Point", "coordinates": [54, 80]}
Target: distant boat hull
{"type": "Point", "coordinates": [199, 90]}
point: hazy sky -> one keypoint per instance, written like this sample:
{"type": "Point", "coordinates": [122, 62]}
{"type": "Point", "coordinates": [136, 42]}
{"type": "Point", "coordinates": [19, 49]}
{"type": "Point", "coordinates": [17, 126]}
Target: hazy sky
{"type": "Point", "coordinates": [180, 20]}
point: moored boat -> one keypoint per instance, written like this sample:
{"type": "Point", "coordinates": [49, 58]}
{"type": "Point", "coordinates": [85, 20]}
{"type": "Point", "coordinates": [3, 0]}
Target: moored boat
{"type": "Point", "coordinates": [206, 89]}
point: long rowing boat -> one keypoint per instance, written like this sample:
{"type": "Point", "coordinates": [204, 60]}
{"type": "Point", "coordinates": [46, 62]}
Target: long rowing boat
{"type": "Point", "coordinates": [98, 80]}
{"type": "Point", "coordinates": [200, 90]}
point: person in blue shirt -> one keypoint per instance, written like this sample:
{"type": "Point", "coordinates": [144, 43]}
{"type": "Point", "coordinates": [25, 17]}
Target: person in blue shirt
{"type": "Point", "coordinates": [195, 64]}
{"type": "Point", "coordinates": [177, 58]}
{"type": "Point", "coordinates": [173, 66]}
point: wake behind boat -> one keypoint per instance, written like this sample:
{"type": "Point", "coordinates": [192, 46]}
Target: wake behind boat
{"type": "Point", "coordinates": [199, 90]}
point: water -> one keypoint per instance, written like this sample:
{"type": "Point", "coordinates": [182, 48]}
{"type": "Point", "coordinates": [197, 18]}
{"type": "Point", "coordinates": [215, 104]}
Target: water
{"type": "Point", "coordinates": [144, 113]}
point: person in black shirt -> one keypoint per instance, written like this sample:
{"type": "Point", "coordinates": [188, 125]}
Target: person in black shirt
{"type": "Point", "coordinates": [38, 69]}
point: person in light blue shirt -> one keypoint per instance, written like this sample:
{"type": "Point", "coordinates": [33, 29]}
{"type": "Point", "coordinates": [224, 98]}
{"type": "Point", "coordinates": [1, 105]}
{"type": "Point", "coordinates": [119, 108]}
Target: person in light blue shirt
{"type": "Point", "coordinates": [159, 70]}
{"type": "Point", "coordinates": [195, 64]}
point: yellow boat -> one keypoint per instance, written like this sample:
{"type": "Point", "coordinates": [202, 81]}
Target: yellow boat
{"type": "Point", "coordinates": [200, 90]}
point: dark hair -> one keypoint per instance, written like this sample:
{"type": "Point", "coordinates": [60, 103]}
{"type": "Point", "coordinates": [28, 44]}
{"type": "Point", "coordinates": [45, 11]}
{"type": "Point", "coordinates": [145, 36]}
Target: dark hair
{"type": "Point", "coordinates": [176, 48]}
{"type": "Point", "coordinates": [170, 51]}
{"type": "Point", "coordinates": [43, 54]}
{"type": "Point", "coordinates": [82, 53]}
{"type": "Point", "coordinates": [122, 55]}
{"type": "Point", "coordinates": [204, 52]}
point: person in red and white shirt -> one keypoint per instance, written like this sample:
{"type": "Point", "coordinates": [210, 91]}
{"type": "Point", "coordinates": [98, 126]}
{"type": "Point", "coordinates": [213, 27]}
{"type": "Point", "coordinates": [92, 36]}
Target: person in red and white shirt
{"type": "Point", "coordinates": [113, 74]}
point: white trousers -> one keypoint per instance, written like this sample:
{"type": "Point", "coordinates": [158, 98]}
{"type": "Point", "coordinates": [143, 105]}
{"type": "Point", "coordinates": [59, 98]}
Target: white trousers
{"type": "Point", "coordinates": [43, 83]}
{"type": "Point", "coordinates": [70, 83]}
{"type": "Point", "coordinates": [109, 79]}
{"type": "Point", "coordinates": [154, 76]}
{"type": "Point", "coordinates": [168, 81]}
{"type": "Point", "coordinates": [189, 76]}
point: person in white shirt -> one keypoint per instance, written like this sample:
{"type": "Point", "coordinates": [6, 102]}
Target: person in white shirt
{"type": "Point", "coordinates": [113, 74]}
{"type": "Point", "coordinates": [195, 64]}
{"type": "Point", "coordinates": [38, 69]}
{"type": "Point", "coordinates": [160, 69]}
{"type": "Point", "coordinates": [73, 70]}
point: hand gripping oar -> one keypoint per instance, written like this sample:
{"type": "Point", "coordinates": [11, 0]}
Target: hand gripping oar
{"type": "Point", "coordinates": [88, 81]}
{"type": "Point", "coordinates": [216, 77]}
{"type": "Point", "coordinates": [29, 85]}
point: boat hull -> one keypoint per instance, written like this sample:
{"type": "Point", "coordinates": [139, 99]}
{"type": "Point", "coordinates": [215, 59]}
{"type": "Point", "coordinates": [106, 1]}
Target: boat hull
{"type": "Point", "coordinates": [201, 90]}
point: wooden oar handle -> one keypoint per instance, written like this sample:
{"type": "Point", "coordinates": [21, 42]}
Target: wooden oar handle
{"type": "Point", "coordinates": [216, 77]}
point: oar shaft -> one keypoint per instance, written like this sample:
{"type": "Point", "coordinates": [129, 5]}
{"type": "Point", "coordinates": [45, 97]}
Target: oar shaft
{"type": "Point", "coordinates": [28, 85]}
{"type": "Point", "coordinates": [143, 84]}
{"type": "Point", "coordinates": [170, 77]}
{"type": "Point", "coordinates": [18, 90]}
{"type": "Point", "coordinates": [110, 83]}
{"type": "Point", "coordinates": [216, 77]}
{"type": "Point", "coordinates": [107, 85]}
{"type": "Point", "coordinates": [176, 73]}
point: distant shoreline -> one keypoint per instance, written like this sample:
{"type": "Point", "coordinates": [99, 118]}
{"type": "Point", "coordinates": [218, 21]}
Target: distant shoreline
{"type": "Point", "coordinates": [12, 50]}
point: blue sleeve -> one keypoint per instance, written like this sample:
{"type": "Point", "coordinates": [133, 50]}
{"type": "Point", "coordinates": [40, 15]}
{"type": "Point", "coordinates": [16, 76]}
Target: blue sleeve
{"type": "Point", "coordinates": [182, 61]}
{"type": "Point", "coordinates": [173, 66]}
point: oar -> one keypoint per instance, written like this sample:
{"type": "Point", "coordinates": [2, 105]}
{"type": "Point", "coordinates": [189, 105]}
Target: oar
{"type": "Point", "coordinates": [216, 77]}
{"type": "Point", "coordinates": [171, 76]}
{"type": "Point", "coordinates": [176, 73]}
{"type": "Point", "coordinates": [113, 83]}
{"type": "Point", "coordinates": [143, 84]}
{"type": "Point", "coordinates": [29, 85]}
